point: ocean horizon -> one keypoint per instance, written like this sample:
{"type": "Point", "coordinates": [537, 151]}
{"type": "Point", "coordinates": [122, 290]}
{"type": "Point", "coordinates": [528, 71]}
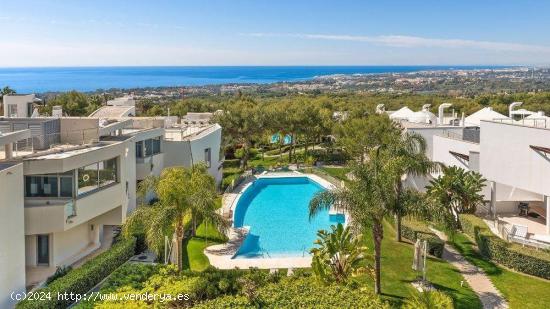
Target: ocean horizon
{"type": "Point", "coordinates": [86, 79]}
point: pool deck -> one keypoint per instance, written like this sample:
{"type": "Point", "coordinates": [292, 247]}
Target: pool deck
{"type": "Point", "coordinates": [221, 256]}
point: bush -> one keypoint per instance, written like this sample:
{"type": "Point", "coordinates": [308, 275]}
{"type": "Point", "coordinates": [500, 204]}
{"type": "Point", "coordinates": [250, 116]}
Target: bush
{"type": "Point", "coordinates": [303, 292]}
{"type": "Point", "coordinates": [252, 153]}
{"type": "Point", "coordinates": [514, 256]}
{"type": "Point", "coordinates": [411, 232]}
{"type": "Point", "coordinates": [335, 156]}
{"type": "Point", "coordinates": [429, 300]}
{"type": "Point", "coordinates": [59, 272]}
{"type": "Point", "coordinates": [82, 279]}
{"type": "Point", "coordinates": [231, 163]}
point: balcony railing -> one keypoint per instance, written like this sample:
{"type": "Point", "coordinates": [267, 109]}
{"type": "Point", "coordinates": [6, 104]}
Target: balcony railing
{"type": "Point", "coordinates": [70, 210]}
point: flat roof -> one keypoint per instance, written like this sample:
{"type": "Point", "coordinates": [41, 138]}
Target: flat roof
{"type": "Point", "coordinates": [189, 132]}
{"type": "Point", "coordinates": [61, 154]}
{"type": "Point", "coordinates": [5, 165]}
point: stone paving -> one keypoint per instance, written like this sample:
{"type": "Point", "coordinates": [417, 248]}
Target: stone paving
{"type": "Point", "coordinates": [479, 282]}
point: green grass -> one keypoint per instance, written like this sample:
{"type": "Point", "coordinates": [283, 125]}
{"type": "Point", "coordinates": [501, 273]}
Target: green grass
{"type": "Point", "coordinates": [337, 172]}
{"type": "Point", "coordinates": [521, 291]}
{"type": "Point", "coordinates": [207, 235]}
{"type": "Point", "coordinates": [397, 274]}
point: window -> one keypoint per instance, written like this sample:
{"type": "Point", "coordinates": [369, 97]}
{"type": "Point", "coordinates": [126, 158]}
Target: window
{"type": "Point", "coordinates": [41, 186]}
{"type": "Point", "coordinates": [148, 147]}
{"type": "Point", "coordinates": [107, 172]}
{"type": "Point", "coordinates": [208, 157]}
{"type": "Point", "coordinates": [139, 149]}
{"type": "Point", "coordinates": [156, 145]}
{"type": "Point", "coordinates": [29, 109]}
{"type": "Point", "coordinates": [66, 186]}
{"type": "Point", "coordinates": [12, 110]}
{"type": "Point", "coordinates": [87, 178]}
{"type": "Point", "coordinates": [42, 249]}
{"type": "Point", "coordinates": [97, 175]}
{"type": "Point", "coordinates": [49, 185]}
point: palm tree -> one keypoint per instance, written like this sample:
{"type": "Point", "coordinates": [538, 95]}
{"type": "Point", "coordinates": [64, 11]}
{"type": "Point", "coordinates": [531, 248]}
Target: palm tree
{"type": "Point", "coordinates": [184, 195]}
{"type": "Point", "coordinates": [366, 199]}
{"type": "Point", "coordinates": [338, 255]}
{"type": "Point", "coordinates": [407, 151]}
{"type": "Point", "coordinates": [455, 192]}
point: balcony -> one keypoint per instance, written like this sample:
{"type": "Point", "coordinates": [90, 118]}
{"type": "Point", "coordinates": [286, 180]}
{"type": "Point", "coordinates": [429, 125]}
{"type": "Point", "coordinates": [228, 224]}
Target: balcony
{"type": "Point", "coordinates": [43, 216]}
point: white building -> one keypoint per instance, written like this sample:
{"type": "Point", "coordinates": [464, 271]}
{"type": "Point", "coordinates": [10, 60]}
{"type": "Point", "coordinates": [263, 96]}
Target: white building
{"type": "Point", "coordinates": [514, 156]}
{"type": "Point", "coordinates": [17, 105]}
{"type": "Point", "coordinates": [67, 182]}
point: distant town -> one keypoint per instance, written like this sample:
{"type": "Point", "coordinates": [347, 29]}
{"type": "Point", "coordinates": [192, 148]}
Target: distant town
{"type": "Point", "coordinates": [449, 82]}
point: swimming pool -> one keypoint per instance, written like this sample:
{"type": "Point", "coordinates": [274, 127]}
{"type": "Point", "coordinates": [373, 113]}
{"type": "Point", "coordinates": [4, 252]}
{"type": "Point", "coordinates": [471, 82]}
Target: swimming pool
{"type": "Point", "coordinates": [277, 212]}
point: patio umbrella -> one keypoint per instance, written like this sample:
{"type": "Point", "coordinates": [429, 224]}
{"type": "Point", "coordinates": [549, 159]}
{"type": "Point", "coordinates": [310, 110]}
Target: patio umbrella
{"type": "Point", "coordinates": [417, 259]}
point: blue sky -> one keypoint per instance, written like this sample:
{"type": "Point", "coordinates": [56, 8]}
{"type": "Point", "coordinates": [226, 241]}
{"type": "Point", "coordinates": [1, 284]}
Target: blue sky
{"type": "Point", "coordinates": [261, 32]}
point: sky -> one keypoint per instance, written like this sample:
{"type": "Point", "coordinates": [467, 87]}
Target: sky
{"type": "Point", "coordinates": [268, 32]}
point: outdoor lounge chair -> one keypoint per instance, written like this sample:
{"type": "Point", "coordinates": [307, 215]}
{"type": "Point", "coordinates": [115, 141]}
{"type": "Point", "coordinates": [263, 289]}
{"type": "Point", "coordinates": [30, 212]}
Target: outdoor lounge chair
{"type": "Point", "coordinates": [518, 233]}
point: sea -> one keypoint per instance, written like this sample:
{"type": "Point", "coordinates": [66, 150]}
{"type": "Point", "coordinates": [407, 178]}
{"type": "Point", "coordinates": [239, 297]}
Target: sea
{"type": "Point", "coordinates": [52, 79]}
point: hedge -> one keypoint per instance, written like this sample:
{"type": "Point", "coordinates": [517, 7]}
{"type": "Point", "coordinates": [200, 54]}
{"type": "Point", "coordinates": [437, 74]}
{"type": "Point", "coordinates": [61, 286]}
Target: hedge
{"type": "Point", "coordinates": [84, 278]}
{"type": "Point", "coordinates": [435, 245]}
{"type": "Point", "coordinates": [292, 292]}
{"type": "Point", "coordinates": [523, 259]}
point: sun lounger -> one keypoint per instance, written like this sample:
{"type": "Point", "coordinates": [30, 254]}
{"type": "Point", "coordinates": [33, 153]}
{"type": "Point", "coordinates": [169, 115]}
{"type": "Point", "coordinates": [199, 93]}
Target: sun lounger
{"type": "Point", "coordinates": [518, 233]}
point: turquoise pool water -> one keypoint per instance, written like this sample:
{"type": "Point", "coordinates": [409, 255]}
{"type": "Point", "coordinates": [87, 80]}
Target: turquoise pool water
{"type": "Point", "coordinates": [277, 211]}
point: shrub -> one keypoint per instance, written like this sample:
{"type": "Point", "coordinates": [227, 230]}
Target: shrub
{"type": "Point", "coordinates": [59, 272]}
{"type": "Point", "coordinates": [514, 256]}
{"type": "Point", "coordinates": [234, 163]}
{"type": "Point", "coordinates": [334, 156]}
{"type": "Point", "coordinates": [429, 300]}
{"type": "Point", "coordinates": [411, 232]}
{"type": "Point", "coordinates": [303, 292]}
{"type": "Point", "coordinates": [252, 153]}
{"type": "Point", "coordinates": [82, 279]}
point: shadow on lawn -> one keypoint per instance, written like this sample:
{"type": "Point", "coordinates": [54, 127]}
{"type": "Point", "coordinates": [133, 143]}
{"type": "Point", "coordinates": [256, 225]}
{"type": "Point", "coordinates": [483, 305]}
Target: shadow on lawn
{"type": "Point", "coordinates": [467, 248]}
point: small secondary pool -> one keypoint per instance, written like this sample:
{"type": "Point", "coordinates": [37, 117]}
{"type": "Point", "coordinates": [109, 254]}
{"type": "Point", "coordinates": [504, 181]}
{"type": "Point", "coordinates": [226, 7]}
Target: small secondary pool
{"type": "Point", "coordinates": [277, 212]}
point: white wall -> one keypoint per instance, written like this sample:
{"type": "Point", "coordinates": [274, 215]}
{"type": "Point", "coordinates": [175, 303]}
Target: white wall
{"type": "Point", "coordinates": [191, 151]}
{"type": "Point", "coordinates": [506, 157]}
{"type": "Point", "coordinates": [22, 103]}
{"type": "Point", "coordinates": [442, 146]}
{"type": "Point", "coordinates": [12, 237]}
{"type": "Point", "coordinates": [429, 132]}
{"type": "Point", "coordinates": [212, 141]}
{"type": "Point", "coordinates": [69, 243]}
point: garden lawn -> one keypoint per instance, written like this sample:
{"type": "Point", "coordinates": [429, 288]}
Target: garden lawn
{"type": "Point", "coordinates": [193, 254]}
{"type": "Point", "coordinates": [337, 172]}
{"type": "Point", "coordinates": [397, 273]}
{"type": "Point", "coordinates": [521, 291]}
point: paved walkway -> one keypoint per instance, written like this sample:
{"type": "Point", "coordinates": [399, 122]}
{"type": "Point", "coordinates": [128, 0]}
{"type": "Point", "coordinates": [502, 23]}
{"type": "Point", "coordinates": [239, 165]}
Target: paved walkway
{"type": "Point", "coordinates": [479, 282]}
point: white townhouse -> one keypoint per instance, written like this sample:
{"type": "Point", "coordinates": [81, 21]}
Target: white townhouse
{"type": "Point", "coordinates": [512, 154]}
{"type": "Point", "coordinates": [68, 183]}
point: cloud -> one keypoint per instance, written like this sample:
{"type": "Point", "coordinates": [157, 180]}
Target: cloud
{"type": "Point", "coordinates": [413, 41]}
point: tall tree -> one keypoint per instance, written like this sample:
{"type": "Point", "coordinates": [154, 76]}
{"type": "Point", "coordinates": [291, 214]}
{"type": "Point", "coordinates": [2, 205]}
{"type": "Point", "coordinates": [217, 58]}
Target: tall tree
{"type": "Point", "coordinates": [243, 123]}
{"type": "Point", "coordinates": [367, 199]}
{"type": "Point", "coordinates": [183, 194]}
{"type": "Point", "coordinates": [407, 151]}
{"type": "Point", "coordinates": [357, 135]}
{"type": "Point", "coordinates": [455, 192]}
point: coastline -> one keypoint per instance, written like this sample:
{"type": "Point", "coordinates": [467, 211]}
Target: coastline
{"type": "Point", "coordinates": [92, 79]}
